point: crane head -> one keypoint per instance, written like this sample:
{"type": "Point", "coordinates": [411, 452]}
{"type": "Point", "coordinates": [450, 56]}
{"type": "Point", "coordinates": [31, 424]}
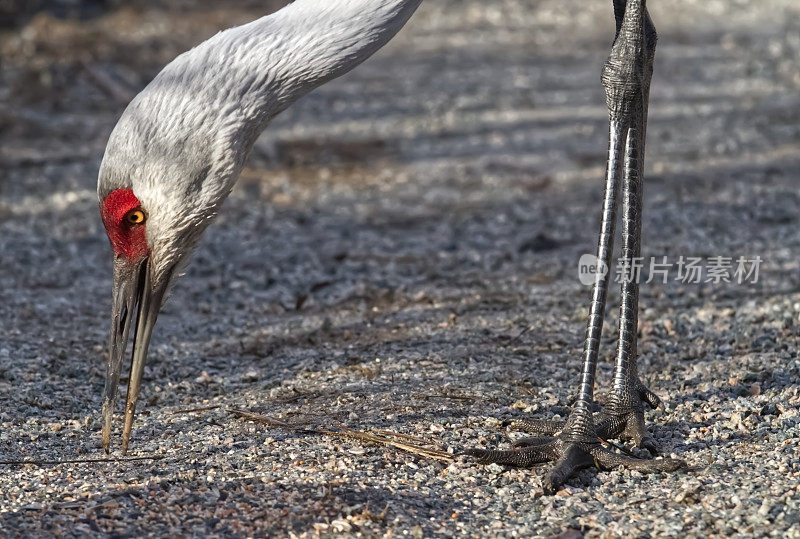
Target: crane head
{"type": "Point", "coordinates": [125, 220]}
{"type": "Point", "coordinates": [160, 184]}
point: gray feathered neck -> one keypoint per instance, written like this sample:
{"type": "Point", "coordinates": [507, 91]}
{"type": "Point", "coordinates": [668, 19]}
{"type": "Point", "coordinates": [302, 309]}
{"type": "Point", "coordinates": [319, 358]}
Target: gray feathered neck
{"type": "Point", "coordinates": [181, 143]}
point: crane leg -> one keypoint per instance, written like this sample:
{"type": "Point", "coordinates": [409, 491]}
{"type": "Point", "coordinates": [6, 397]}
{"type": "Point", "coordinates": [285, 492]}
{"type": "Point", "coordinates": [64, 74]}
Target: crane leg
{"type": "Point", "coordinates": [579, 443]}
{"type": "Point", "coordinates": [623, 413]}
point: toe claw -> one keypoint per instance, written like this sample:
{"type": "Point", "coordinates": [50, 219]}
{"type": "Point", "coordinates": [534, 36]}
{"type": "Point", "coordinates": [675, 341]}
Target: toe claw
{"type": "Point", "coordinates": [609, 460]}
{"type": "Point", "coordinates": [573, 458]}
{"type": "Point", "coordinates": [649, 397]}
{"type": "Point", "coordinates": [649, 443]}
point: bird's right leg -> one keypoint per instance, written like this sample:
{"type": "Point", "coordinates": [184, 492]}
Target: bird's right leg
{"type": "Point", "coordinates": [578, 444]}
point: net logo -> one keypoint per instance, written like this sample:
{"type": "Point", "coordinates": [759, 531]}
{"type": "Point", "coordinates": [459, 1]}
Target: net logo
{"type": "Point", "coordinates": [589, 267]}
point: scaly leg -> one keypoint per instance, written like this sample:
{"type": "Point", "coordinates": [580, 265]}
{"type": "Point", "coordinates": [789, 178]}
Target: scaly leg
{"type": "Point", "coordinates": [623, 414]}
{"type": "Point", "coordinates": [626, 79]}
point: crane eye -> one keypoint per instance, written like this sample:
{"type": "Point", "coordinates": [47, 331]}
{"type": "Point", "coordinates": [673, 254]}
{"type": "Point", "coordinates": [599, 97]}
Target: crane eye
{"type": "Point", "coordinates": [135, 217]}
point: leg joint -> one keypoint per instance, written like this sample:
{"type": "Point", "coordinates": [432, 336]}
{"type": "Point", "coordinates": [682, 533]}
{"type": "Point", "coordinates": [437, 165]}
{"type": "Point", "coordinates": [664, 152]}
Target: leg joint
{"type": "Point", "coordinates": [627, 72]}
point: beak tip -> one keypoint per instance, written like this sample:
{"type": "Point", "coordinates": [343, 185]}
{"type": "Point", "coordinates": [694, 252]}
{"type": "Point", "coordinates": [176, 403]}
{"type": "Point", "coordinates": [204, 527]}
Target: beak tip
{"type": "Point", "coordinates": [106, 440]}
{"type": "Point", "coordinates": [108, 416]}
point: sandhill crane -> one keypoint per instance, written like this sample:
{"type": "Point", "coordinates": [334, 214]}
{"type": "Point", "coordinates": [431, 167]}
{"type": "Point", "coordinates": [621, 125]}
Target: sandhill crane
{"type": "Point", "coordinates": [180, 145]}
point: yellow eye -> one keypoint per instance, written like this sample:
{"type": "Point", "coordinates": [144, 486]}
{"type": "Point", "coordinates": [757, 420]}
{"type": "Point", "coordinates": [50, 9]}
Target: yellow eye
{"type": "Point", "coordinates": [135, 217]}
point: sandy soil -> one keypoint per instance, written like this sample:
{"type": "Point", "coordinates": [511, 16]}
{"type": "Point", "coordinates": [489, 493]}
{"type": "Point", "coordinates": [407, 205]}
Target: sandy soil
{"type": "Point", "coordinates": [401, 254]}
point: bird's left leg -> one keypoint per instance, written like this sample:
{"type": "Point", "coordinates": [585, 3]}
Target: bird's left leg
{"type": "Point", "coordinates": [623, 413]}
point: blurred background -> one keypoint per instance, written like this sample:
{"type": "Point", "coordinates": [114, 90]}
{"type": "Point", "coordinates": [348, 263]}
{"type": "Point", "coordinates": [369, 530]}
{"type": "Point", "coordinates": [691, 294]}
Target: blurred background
{"type": "Point", "coordinates": [429, 209]}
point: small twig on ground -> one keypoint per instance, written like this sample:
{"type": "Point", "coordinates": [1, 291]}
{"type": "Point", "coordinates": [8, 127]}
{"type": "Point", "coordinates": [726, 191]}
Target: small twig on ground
{"type": "Point", "coordinates": [271, 421]}
{"type": "Point", "coordinates": [297, 396]}
{"type": "Point", "coordinates": [620, 448]}
{"type": "Point", "coordinates": [192, 410]}
{"type": "Point", "coordinates": [516, 339]}
{"type": "Point", "coordinates": [527, 390]}
{"type": "Point", "coordinates": [403, 436]}
{"type": "Point", "coordinates": [380, 437]}
{"type": "Point", "coordinates": [435, 454]}
{"type": "Point", "coordinates": [369, 515]}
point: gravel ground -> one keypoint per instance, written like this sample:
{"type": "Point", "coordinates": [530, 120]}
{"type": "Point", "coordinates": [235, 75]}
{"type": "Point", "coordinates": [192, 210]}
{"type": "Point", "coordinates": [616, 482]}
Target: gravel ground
{"type": "Point", "coordinates": [401, 254]}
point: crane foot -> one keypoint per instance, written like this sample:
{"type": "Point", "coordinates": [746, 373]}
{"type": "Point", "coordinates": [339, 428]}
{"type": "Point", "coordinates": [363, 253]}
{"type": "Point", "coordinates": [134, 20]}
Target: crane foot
{"type": "Point", "coordinates": [569, 455]}
{"type": "Point", "coordinates": [622, 417]}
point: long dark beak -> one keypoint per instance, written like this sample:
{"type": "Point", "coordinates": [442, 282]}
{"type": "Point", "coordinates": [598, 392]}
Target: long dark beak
{"type": "Point", "coordinates": [132, 286]}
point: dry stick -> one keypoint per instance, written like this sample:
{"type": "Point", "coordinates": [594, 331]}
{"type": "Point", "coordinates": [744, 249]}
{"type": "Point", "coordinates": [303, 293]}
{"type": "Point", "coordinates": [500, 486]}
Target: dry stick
{"type": "Point", "coordinates": [271, 421]}
{"type": "Point", "coordinates": [385, 437]}
{"type": "Point", "coordinates": [620, 448]}
{"type": "Point", "coordinates": [192, 410]}
{"type": "Point", "coordinates": [520, 334]}
{"type": "Point", "coordinates": [366, 513]}
{"type": "Point", "coordinates": [435, 454]}
{"type": "Point", "coordinates": [78, 461]}
{"type": "Point", "coordinates": [403, 436]}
